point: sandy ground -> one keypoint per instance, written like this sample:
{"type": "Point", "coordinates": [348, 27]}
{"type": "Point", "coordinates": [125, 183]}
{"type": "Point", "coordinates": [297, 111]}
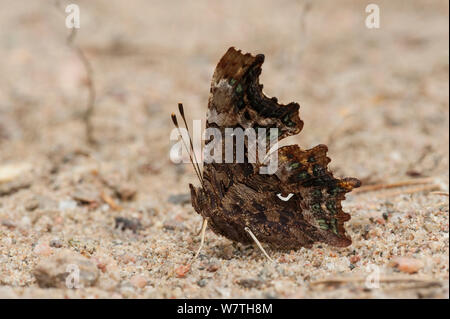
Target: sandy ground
{"type": "Point", "coordinates": [377, 97]}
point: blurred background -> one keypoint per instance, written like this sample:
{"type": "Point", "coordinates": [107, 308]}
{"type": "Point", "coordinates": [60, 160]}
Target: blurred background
{"type": "Point", "coordinates": [379, 95]}
{"type": "Point", "coordinates": [378, 98]}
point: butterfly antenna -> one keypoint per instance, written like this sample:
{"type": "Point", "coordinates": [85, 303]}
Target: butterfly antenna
{"type": "Point", "coordinates": [181, 109]}
{"type": "Point", "coordinates": [175, 122]}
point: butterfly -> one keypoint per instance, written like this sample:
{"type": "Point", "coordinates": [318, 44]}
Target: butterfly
{"type": "Point", "coordinates": [296, 206]}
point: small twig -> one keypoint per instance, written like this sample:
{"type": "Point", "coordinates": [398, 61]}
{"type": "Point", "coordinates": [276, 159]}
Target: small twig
{"type": "Point", "coordinates": [108, 200]}
{"type": "Point", "coordinates": [87, 115]}
{"type": "Point", "coordinates": [370, 188]}
{"type": "Point", "coordinates": [424, 281]}
{"type": "Point", "coordinates": [439, 193]}
{"type": "Point", "coordinates": [409, 191]}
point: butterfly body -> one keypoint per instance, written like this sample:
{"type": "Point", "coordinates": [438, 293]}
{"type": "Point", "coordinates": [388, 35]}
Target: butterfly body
{"type": "Point", "coordinates": [234, 196]}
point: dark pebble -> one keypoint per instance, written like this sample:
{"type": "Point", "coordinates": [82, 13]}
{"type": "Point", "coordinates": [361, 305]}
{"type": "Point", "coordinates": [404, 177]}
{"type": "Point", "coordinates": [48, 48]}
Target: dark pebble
{"type": "Point", "coordinates": [123, 223]}
{"type": "Point", "coordinates": [173, 224]}
{"type": "Point", "coordinates": [55, 243]}
{"type": "Point", "coordinates": [250, 283]}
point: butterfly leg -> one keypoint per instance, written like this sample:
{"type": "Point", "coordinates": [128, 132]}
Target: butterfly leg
{"type": "Point", "coordinates": [197, 233]}
{"type": "Point", "coordinates": [202, 240]}
{"type": "Point", "coordinates": [258, 243]}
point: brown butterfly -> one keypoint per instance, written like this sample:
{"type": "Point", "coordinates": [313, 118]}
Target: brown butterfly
{"type": "Point", "coordinates": [298, 205]}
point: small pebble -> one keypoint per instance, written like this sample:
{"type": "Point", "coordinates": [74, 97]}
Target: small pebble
{"type": "Point", "coordinates": [227, 252]}
{"type": "Point", "coordinates": [10, 172]}
{"type": "Point", "coordinates": [53, 272]}
{"type": "Point", "coordinates": [123, 223]}
{"type": "Point", "coordinates": [173, 224]}
{"type": "Point", "coordinates": [67, 205]}
{"type": "Point", "coordinates": [127, 258]}
{"type": "Point", "coordinates": [8, 224]}
{"type": "Point", "coordinates": [102, 266]}
{"type": "Point", "coordinates": [125, 191]}
{"type": "Point", "coordinates": [249, 283]}
{"type": "Point", "coordinates": [86, 195]}
{"type": "Point", "coordinates": [57, 243]}
{"type": "Point", "coordinates": [354, 259]}
{"type": "Point", "coordinates": [182, 270]}
{"type": "Point", "coordinates": [212, 267]}
{"type": "Point", "coordinates": [32, 204]}
{"type": "Point", "coordinates": [42, 249]}
{"type": "Point", "coordinates": [138, 281]}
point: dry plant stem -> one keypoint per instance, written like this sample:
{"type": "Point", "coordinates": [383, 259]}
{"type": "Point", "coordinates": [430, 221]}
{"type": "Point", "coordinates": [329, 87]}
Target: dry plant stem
{"type": "Point", "coordinates": [390, 279]}
{"type": "Point", "coordinates": [202, 241]}
{"type": "Point", "coordinates": [409, 191]}
{"type": "Point", "coordinates": [370, 188]}
{"type": "Point", "coordinates": [108, 200]}
{"type": "Point", "coordinates": [439, 193]}
{"type": "Point", "coordinates": [87, 115]}
{"type": "Point", "coordinates": [258, 243]}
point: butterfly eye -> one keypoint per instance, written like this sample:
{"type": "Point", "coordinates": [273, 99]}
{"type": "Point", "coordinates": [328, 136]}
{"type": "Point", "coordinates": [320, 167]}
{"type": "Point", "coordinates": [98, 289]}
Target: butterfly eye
{"type": "Point", "coordinates": [288, 197]}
